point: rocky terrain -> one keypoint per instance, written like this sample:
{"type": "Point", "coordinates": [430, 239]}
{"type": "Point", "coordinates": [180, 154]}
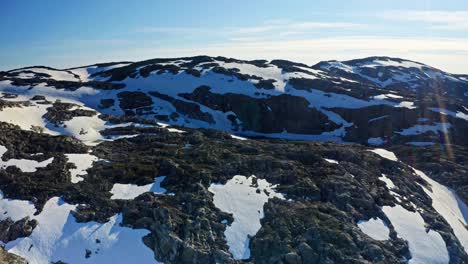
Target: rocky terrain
{"type": "Point", "coordinates": [219, 160]}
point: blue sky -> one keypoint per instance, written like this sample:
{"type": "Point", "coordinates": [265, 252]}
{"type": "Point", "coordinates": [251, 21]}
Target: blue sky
{"type": "Point", "coordinates": [73, 33]}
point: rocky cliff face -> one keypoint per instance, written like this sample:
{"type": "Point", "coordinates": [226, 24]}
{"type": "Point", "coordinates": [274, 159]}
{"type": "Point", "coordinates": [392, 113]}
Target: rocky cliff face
{"type": "Point", "coordinates": [144, 154]}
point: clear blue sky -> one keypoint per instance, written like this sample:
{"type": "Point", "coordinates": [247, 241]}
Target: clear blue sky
{"type": "Point", "coordinates": [73, 33]}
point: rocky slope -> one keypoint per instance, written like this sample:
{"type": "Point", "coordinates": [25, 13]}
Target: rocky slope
{"type": "Point", "coordinates": [145, 154]}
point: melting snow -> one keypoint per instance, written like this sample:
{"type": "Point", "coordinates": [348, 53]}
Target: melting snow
{"type": "Point", "coordinates": [240, 198]}
{"type": "Point", "coordinates": [23, 164]}
{"type": "Point", "coordinates": [375, 228]}
{"type": "Point", "coordinates": [131, 191]}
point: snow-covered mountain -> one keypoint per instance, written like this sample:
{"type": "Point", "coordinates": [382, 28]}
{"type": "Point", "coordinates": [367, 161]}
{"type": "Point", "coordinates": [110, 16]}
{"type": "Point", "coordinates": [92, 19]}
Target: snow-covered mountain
{"type": "Point", "coordinates": [197, 160]}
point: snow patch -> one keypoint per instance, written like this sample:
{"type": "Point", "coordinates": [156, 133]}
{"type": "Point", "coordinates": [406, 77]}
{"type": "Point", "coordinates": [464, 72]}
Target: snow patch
{"type": "Point", "coordinates": [387, 181]}
{"type": "Point", "coordinates": [59, 237]}
{"type": "Point", "coordinates": [447, 203]}
{"type": "Point", "coordinates": [23, 164]}
{"type": "Point", "coordinates": [420, 129]}
{"type": "Point", "coordinates": [240, 198]}
{"type": "Point", "coordinates": [331, 161]}
{"type": "Point", "coordinates": [131, 191]}
{"type": "Point", "coordinates": [375, 228]}
{"type": "Point", "coordinates": [15, 209]}
{"type": "Point", "coordinates": [82, 163]}
{"type": "Point", "coordinates": [425, 246]}
{"type": "Point", "coordinates": [385, 154]}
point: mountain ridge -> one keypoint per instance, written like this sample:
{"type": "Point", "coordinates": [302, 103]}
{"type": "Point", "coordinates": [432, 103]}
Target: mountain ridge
{"type": "Point", "coordinates": [153, 150]}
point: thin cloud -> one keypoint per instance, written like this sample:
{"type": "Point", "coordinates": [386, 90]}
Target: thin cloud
{"type": "Point", "coordinates": [440, 20]}
{"type": "Point", "coordinates": [268, 27]}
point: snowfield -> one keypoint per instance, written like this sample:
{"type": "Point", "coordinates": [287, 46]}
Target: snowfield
{"type": "Point", "coordinates": [240, 198]}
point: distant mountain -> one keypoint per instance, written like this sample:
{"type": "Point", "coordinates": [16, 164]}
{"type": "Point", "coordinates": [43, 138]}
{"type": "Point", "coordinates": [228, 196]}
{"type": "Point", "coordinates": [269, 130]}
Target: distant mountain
{"type": "Point", "coordinates": [169, 147]}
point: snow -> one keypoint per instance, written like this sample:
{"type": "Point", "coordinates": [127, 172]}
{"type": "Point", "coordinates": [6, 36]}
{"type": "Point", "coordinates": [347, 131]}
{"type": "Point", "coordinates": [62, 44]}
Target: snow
{"type": "Point", "coordinates": [457, 114]}
{"type": "Point", "coordinates": [385, 96]}
{"type": "Point", "coordinates": [26, 117]}
{"type": "Point", "coordinates": [186, 83]}
{"type": "Point", "coordinates": [447, 203]}
{"type": "Point", "coordinates": [376, 141]}
{"type": "Point", "coordinates": [59, 237]}
{"type": "Point", "coordinates": [403, 63]}
{"type": "Point", "coordinates": [426, 247]}
{"type": "Point", "coordinates": [240, 198]}
{"type": "Point", "coordinates": [59, 75]}
{"type": "Point", "coordinates": [86, 72]}
{"type": "Point", "coordinates": [406, 104]}
{"type": "Point", "coordinates": [420, 129]}
{"type": "Point", "coordinates": [15, 209]}
{"type": "Point", "coordinates": [385, 154]}
{"type": "Point", "coordinates": [237, 137]}
{"type": "Point", "coordinates": [375, 228]}
{"type": "Point", "coordinates": [388, 182]}
{"type": "Point", "coordinates": [82, 163]}
{"type": "Point", "coordinates": [331, 161]}
{"type": "Point", "coordinates": [131, 191]}
{"type": "Point", "coordinates": [23, 164]}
